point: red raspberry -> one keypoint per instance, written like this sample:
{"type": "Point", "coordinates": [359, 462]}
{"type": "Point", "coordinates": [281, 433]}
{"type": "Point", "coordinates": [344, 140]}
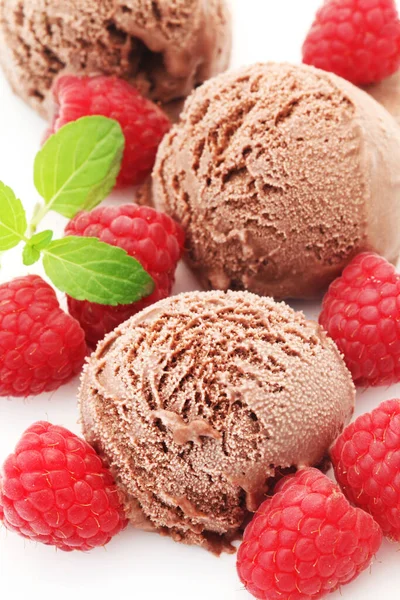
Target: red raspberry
{"type": "Point", "coordinates": [366, 459]}
{"type": "Point", "coordinates": [361, 312]}
{"type": "Point", "coordinates": [356, 39]}
{"type": "Point", "coordinates": [55, 490]}
{"type": "Point", "coordinates": [306, 541]}
{"type": "Point", "coordinates": [151, 237]}
{"type": "Point", "coordinates": [143, 123]}
{"type": "Point", "coordinates": [41, 346]}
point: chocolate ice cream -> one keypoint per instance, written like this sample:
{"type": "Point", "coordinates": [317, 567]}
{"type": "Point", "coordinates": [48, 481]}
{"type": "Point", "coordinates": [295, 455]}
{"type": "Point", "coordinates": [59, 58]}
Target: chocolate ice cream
{"type": "Point", "coordinates": [280, 174]}
{"type": "Point", "coordinates": [163, 47]}
{"type": "Point", "coordinates": [200, 401]}
{"type": "Point", "coordinates": [388, 94]}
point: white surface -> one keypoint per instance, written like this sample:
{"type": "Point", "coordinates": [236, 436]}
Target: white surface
{"type": "Point", "coordinates": [145, 566]}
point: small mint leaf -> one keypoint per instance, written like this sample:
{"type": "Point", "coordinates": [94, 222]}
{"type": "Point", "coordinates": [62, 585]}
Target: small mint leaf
{"type": "Point", "coordinates": [38, 242]}
{"type": "Point", "coordinates": [41, 240]}
{"type": "Point", "coordinates": [88, 269]}
{"type": "Point", "coordinates": [30, 255]}
{"type": "Point", "coordinates": [12, 219]}
{"type": "Point", "coordinates": [78, 166]}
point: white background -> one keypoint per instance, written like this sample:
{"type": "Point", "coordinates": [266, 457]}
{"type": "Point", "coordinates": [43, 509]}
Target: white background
{"type": "Point", "coordinates": [135, 564]}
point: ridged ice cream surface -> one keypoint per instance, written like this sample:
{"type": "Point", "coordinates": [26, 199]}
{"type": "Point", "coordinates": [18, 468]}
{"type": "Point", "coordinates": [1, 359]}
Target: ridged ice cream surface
{"type": "Point", "coordinates": [163, 47]}
{"type": "Point", "coordinates": [280, 174]}
{"type": "Point", "coordinates": [198, 402]}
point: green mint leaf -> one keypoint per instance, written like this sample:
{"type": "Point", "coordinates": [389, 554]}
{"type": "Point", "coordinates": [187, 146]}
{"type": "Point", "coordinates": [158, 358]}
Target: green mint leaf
{"type": "Point", "coordinates": [41, 240]}
{"type": "Point", "coordinates": [78, 166]}
{"type": "Point", "coordinates": [30, 255]}
{"type": "Point", "coordinates": [88, 269]}
{"type": "Point", "coordinates": [38, 242]}
{"type": "Point", "coordinates": [12, 219]}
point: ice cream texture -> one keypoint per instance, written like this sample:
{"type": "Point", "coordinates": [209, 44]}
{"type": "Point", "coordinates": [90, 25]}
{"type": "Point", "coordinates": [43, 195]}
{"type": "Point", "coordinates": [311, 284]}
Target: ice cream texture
{"type": "Point", "coordinates": [163, 47]}
{"type": "Point", "coordinates": [200, 401]}
{"type": "Point", "coordinates": [280, 175]}
{"type": "Point", "coordinates": [387, 93]}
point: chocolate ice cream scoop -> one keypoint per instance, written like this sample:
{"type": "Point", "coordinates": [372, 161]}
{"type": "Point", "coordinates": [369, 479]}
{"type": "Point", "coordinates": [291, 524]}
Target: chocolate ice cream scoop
{"type": "Point", "coordinates": [280, 174]}
{"type": "Point", "coordinates": [200, 401]}
{"type": "Point", "coordinates": [163, 47]}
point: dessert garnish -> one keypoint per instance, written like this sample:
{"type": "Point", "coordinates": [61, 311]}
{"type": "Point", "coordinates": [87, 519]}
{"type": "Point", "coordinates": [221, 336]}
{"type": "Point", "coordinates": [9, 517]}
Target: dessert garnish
{"type": "Point", "coordinates": [361, 312]}
{"type": "Point", "coordinates": [149, 236]}
{"type": "Point", "coordinates": [143, 123]}
{"type": "Point", "coordinates": [356, 39]}
{"type": "Point", "coordinates": [306, 541]}
{"type": "Point", "coordinates": [366, 460]}
{"type": "Point", "coordinates": [41, 346]}
{"type": "Point", "coordinates": [55, 489]}
{"type": "Point", "coordinates": [76, 169]}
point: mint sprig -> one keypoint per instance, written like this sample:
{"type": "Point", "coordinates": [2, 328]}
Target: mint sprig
{"type": "Point", "coordinates": [75, 170]}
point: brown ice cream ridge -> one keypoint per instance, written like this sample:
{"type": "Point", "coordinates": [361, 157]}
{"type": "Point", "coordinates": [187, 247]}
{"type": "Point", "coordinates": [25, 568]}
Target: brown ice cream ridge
{"type": "Point", "coordinates": [183, 432]}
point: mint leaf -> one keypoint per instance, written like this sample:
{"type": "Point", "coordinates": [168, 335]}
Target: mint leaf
{"type": "Point", "coordinates": [78, 166]}
{"type": "Point", "coordinates": [12, 219]}
{"type": "Point", "coordinates": [30, 255]}
{"type": "Point", "coordinates": [88, 269]}
{"type": "Point", "coordinates": [41, 240]}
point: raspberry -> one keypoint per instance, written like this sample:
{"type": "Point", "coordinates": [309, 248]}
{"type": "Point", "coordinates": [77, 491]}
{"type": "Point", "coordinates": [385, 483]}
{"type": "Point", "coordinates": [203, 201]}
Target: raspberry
{"type": "Point", "coordinates": [361, 312]}
{"type": "Point", "coordinates": [143, 123]}
{"type": "Point", "coordinates": [151, 237]}
{"type": "Point", "coordinates": [356, 39]}
{"type": "Point", "coordinates": [306, 541]}
{"type": "Point", "coordinates": [366, 459]}
{"type": "Point", "coordinates": [55, 490]}
{"type": "Point", "coordinates": [41, 346]}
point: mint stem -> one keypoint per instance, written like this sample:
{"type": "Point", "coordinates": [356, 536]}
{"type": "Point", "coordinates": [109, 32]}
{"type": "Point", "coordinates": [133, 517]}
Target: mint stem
{"type": "Point", "coordinates": [39, 212]}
